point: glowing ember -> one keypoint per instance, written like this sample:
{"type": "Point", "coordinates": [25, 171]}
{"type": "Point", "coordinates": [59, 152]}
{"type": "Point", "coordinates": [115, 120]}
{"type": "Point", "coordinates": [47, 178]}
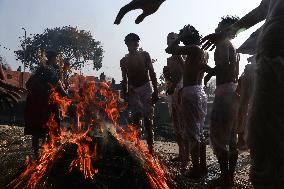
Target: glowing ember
{"type": "Point", "coordinates": [97, 109]}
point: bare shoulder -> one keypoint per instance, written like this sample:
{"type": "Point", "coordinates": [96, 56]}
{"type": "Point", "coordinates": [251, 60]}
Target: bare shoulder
{"type": "Point", "coordinates": [145, 53]}
{"type": "Point", "coordinates": [123, 61]}
{"type": "Point", "coordinates": [194, 49]}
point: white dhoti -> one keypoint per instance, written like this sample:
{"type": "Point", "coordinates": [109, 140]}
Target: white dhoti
{"type": "Point", "coordinates": [139, 100]}
{"type": "Point", "coordinates": [176, 110]}
{"type": "Point", "coordinates": [194, 109]}
{"type": "Point", "coordinates": [223, 117]}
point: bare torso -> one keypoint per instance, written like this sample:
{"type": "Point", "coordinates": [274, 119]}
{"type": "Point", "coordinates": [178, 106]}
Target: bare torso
{"type": "Point", "coordinates": [176, 65]}
{"type": "Point", "coordinates": [136, 68]}
{"type": "Point", "coordinates": [226, 65]}
{"type": "Point", "coordinates": [193, 68]}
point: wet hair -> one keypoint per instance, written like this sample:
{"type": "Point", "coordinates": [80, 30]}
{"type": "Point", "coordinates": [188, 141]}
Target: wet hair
{"type": "Point", "coordinates": [131, 37]}
{"type": "Point", "coordinates": [193, 37]}
{"type": "Point", "coordinates": [227, 21]}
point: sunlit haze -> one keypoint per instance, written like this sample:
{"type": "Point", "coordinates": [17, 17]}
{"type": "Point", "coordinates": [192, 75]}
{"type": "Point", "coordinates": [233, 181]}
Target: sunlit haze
{"type": "Point", "coordinates": [98, 16]}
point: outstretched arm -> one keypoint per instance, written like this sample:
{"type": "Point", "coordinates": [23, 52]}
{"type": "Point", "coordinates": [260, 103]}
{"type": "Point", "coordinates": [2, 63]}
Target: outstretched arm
{"type": "Point", "coordinates": [175, 49]}
{"type": "Point", "coordinates": [153, 77]}
{"type": "Point", "coordinates": [124, 78]}
{"type": "Point", "coordinates": [210, 73]}
{"type": "Point", "coordinates": [255, 16]}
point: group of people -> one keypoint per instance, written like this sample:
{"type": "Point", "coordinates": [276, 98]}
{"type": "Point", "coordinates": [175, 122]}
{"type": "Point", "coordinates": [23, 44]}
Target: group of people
{"type": "Point", "coordinates": [265, 123]}
{"type": "Point", "coordinates": [185, 73]}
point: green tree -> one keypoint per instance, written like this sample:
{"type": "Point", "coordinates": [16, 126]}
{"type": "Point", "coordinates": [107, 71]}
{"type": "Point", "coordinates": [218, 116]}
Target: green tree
{"type": "Point", "coordinates": [77, 45]}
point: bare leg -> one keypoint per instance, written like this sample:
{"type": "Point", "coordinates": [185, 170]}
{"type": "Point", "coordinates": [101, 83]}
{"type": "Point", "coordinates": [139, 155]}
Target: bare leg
{"type": "Point", "coordinates": [185, 156]}
{"type": "Point", "coordinates": [203, 166]}
{"type": "Point", "coordinates": [35, 144]}
{"type": "Point", "coordinates": [233, 158]}
{"type": "Point", "coordinates": [223, 160]}
{"type": "Point", "coordinates": [179, 138]}
{"type": "Point", "coordinates": [150, 135]}
{"type": "Point", "coordinates": [195, 154]}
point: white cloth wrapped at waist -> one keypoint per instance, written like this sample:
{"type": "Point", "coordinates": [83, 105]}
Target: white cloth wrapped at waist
{"type": "Point", "coordinates": [225, 88]}
{"type": "Point", "coordinates": [139, 99]}
{"type": "Point", "coordinates": [194, 109]}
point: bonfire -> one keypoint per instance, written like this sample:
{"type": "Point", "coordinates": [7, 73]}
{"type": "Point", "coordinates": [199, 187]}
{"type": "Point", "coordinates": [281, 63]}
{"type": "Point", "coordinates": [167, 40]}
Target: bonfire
{"type": "Point", "coordinates": [82, 150]}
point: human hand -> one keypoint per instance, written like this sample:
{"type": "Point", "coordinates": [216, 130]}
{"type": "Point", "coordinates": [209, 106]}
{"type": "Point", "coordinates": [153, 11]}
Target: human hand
{"type": "Point", "coordinates": [148, 6]}
{"type": "Point", "coordinates": [210, 41]}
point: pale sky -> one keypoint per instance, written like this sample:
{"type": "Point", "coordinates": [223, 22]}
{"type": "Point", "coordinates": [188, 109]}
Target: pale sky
{"type": "Point", "coordinates": [98, 16]}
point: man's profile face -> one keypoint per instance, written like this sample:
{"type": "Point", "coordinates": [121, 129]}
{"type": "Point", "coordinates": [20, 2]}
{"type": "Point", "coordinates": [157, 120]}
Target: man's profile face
{"type": "Point", "coordinates": [132, 46]}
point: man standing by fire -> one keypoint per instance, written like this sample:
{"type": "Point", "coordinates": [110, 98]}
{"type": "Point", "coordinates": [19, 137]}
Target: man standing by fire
{"type": "Point", "coordinates": [38, 109]}
{"type": "Point", "coordinates": [193, 99]}
{"type": "Point", "coordinates": [223, 134]}
{"type": "Point", "coordinates": [136, 68]}
{"type": "Point", "coordinates": [173, 74]}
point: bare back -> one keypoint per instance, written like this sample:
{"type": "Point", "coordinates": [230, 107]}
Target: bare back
{"type": "Point", "coordinates": [176, 65]}
{"type": "Point", "coordinates": [194, 64]}
{"type": "Point", "coordinates": [136, 67]}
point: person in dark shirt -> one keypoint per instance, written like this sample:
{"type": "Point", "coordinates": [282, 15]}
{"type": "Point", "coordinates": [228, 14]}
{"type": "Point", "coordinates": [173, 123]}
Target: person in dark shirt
{"type": "Point", "coordinates": [38, 109]}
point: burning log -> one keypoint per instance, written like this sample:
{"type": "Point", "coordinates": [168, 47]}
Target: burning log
{"type": "Point", "coordinates": [79, 159]}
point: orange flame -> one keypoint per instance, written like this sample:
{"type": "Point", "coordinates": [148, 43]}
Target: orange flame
{"type": "Point", "coordinates": [92, 103]}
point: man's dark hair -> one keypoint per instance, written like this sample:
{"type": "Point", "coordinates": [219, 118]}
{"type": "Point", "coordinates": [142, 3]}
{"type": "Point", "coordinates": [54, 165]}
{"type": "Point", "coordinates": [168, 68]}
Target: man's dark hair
{"type": "Point", "coordinates": [131, 37]}
{"type": "Point", "coordinates": [192, 38]}
{"type": "Point", "coordinates": [227, 21]}
{"type": "Point", "coordinates": [51, 54]}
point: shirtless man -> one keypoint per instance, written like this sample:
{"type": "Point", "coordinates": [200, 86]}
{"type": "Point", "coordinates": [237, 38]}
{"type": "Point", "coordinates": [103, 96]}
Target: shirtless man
{"type": "Point", "coordinates": [223, 135]}
{"type": "Point", "coordinates": [266, 127]}
{"type": "Point", "coordinates": [136, 68]}
{"type": "Point", "coordinates": [173, 73]}
{"type": "Point", "coordinates": [193, 99]}
{"type": "Point", "coordinates": [148, 6]}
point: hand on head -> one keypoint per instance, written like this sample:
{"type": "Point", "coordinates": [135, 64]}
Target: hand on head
{"type": "Point", "coordinates": [210, 41]}
{"type": "Point", "coordinates": [148, 6]}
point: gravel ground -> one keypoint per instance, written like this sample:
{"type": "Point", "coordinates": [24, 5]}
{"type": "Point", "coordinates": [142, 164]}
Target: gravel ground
{"type": "Point", "coordinates": [14, 146]}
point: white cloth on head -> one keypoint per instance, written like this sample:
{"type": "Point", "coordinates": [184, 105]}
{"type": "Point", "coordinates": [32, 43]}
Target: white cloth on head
{"type": "Point", "coordinates": [223, 117]}
{"type": "Point", "coordinates": [139, 100]}
{"type": "Point", "coordinates": [194, 109]}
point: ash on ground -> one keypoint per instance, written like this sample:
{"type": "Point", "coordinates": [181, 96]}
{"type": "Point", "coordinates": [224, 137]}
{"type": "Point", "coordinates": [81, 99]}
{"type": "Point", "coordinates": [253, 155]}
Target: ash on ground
{"type": "Point", "coordinates": [14, 147]}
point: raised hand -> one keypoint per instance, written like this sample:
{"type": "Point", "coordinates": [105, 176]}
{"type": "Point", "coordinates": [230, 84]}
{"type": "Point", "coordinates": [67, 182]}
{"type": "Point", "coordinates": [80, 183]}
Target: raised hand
{"type": "Point", "coordinates": [210, 41]}
{"type": "Point", "coordinates": [148, 6]}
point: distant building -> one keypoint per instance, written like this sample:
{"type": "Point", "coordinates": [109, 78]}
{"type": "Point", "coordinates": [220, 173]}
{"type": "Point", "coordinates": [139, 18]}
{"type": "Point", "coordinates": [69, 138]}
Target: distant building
{"type": "Point", "coordinates": [17, 78]}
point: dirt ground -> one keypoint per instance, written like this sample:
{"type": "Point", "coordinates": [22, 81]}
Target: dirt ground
{"type": "Point", "coordinates": [14, 146]}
